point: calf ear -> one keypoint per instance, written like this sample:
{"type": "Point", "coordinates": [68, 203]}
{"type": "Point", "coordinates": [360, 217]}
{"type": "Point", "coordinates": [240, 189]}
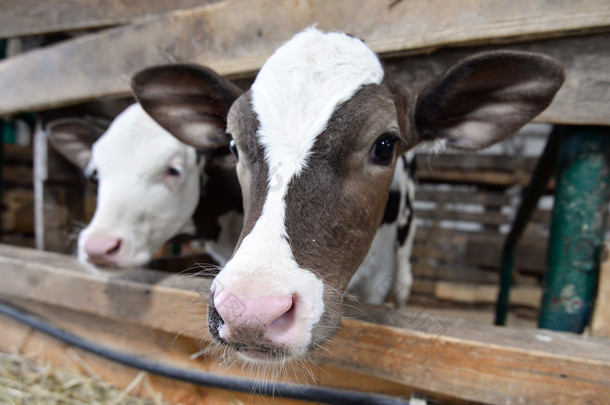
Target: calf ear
{"type": "Point", "coordinates": [487, 97]}
{"type": "Point", "coordinates": [190, 101]}
{"type": "Point", "coordinates": [73, 138]}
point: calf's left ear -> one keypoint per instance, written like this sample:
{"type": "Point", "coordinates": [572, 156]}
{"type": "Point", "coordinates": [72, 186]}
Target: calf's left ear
{"type": "Point", "coordinates": [487, 97]}
{"type": "Point", "coordinates": [73, 138]}
{"type": "Point", "coordinates": [189, 101]}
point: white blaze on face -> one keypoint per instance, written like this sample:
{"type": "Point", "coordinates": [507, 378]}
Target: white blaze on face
{"type": "Point", "coordinates": [139, 201]}
{"type": "Point", "coordinates": [294, 96]}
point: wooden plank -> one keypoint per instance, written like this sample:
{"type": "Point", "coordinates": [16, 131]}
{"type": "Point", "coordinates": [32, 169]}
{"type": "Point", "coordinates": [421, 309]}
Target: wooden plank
{"type": "Point", "coordinates": [528, 296]}
{"type": "Point", "coordinates": [497, 179]}
{"type": "Point", "coordinates": [489, 218]}
{"type": "Point", "coordinates": [18, 211]}
{"type": "Point", "coordinates": [474, 162]}
{"type": "Point", "coordinates": [32, 17]}
{"type": "Point", "coordinates": [584, 96]}
{"type": "Point", "coordinates": [16, 153]}
{"type": "Point", "coordinates": [26, 241]}
{"type": "Point", "coordinates": [18, 175]}
{"type": "Point", "coordinates": [236, 37]}
{"type": "Point", "coordinates": [427, 353]}
{"type": "Point", "coordinates": [461, 196]}
{"type": "Point", "coordinates": [600, 324]}
{"type": "Point", "coordinates": [530, 254]}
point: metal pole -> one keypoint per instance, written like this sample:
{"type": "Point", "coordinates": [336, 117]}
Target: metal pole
{"type": "Point", "coordinates": [577, 230]}
{"type": "Point", "coordinates": [540, 179]}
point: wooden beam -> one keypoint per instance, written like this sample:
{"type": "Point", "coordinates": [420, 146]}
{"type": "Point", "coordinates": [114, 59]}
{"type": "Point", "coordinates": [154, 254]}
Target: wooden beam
{"type": "Point", "coordinates": [235, 37]}
{"type": "Point", "coordinates": [441, 357]}
{"type": "Point", "coordinates": [33, 17]}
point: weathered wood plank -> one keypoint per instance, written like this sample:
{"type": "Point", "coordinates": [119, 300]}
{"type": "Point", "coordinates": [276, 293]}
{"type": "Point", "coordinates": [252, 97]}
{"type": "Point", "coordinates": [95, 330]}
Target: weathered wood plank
{"type": "Point", "coordinates": [488, 199]}
{"type": "Point", "coordinates": [600, 324]}
{"type": "Point", "coordinates": [458, 359]}
{"type": "Point", "coordinates": [32, 17]}
{"type": "Point", "coordinates": [235, 37]}
{"type": "Point", "coordinates": [584, 97]}
{"type": "Point", "coordinates": [497, 178]}
{"type": "Point", "coordinates": [473, 161]}
{"type": "Point", "coordinates": [529, 296]}
{"type": "Point", "coordinates": [486, 218]}
{"type": "Point", "coordinates": [18, 175]}
{"type": "Point", "coordinates": [530, 254]}
{"type": "Point", "coordinates": [18, 211]}
{"type": "Point", "coordinates": [16, 153]}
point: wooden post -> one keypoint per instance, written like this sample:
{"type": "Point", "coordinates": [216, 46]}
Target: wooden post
{"type": "Point", "coordinates": [600, 324]}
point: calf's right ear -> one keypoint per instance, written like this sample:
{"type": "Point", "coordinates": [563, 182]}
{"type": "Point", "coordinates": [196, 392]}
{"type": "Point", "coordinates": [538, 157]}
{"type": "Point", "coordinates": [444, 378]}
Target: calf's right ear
{"type": "Point", "coordinates": [73, 138]}
{"type": "Point", "coordinates": [487, 97]}
{"type": "Point", "coordinates": [190, 101]}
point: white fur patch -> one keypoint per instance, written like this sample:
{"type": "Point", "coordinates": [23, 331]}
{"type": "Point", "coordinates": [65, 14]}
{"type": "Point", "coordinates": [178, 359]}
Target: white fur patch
{"type": "Point", "coordinates": [294, 96]}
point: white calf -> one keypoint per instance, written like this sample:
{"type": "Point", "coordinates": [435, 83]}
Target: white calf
{"type": "Point", "coordinates": [317, 138]}
{"type": "Point", "coordinates": [151, 187]}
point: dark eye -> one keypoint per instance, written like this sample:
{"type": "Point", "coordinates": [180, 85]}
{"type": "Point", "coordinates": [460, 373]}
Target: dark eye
{"type": "Point", "coordinates": [173, 172]}
{"type": "Point", "coordinates": [383, 150]}
{"type": "Point", "coordinates": [233, 148]}
{"type": "Point", "coordinates": [92, 176]}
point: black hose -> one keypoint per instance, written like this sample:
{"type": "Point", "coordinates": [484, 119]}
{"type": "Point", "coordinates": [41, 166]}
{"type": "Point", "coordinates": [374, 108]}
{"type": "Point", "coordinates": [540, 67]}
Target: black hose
{"type": "Point", "coordinates": [281, 390]}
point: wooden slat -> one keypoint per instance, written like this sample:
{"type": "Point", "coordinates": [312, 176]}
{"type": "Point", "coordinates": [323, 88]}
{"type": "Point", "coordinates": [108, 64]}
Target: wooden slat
{"type": "Point", "coordinates": [530, 254]}
{"type": "Point", "coordinates": [18, 211]}
{"type": "Point", "coordinates": [451, 272]}
{"type": "Point", "coordinates": [486, 218]}
{"type": "Point", "coordinates": [461, 197]}
{"type": "Point", "coordinates": [32, 17]}
{"type": "Point", "coordinates": [497, 179]}
{"type": "Point", "coordinates": [18, 240]}
{"type": "Point", "coordinates": [468, 161]}
{"type": "Point", "coordinates": [236, 37]}
{"type": "Point", "coordinates": [16, 153]}
{"type": "Point", "coordinates": [18, 175]}
{"type": "Point", "coordinates": [600, 324]}
{"type": "Point", "coordinates": [435, 355]}
{"type": "Point", "coordinates": [529, 296]}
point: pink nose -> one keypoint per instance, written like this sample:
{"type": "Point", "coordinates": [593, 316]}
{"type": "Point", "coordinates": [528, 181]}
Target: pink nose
{"type": "Point", "coordinates": [272, 316]}
{"type": "Point", "coordinates": [102, 249]}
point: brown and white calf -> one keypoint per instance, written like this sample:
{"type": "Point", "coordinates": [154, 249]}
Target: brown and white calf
{"type": "Point", "coordinates": [151, 187]}
{"type": "Point", "coordinates": [317, 139]}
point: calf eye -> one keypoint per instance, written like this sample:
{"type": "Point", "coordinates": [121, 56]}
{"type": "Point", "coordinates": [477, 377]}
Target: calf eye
{"type": "Point", "coordinates": [92, 176]}
{"type": "Point", "coordinates": [383, 150]}
{"type": "Point", "coordinates": [233, 148]}
{"type": "Point", "coordinates": [173, 171]}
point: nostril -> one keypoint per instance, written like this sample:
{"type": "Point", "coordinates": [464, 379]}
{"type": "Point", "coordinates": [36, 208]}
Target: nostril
{"type": "Point", "coordinates": [102, 246]}
{"type": "Point", "coordinates": [114, 249]}
{"type": "Point", "coordinates": [285, 321]}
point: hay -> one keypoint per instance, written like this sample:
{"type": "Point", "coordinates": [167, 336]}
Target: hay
{"type": "Point", "coordinates": [24, 381]}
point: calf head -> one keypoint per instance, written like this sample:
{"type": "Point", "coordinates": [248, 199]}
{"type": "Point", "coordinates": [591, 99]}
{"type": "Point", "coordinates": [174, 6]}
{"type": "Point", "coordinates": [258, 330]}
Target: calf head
{"type": "Point", "coordinates": [316, 139]}
{"type": "Point", "coordinates": [148, 186]}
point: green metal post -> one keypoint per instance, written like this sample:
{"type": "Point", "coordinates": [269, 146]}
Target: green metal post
{"type": "Point", "coordinates": [529, 202]}
{"type": "Point", "coordinates": [577, 230]}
